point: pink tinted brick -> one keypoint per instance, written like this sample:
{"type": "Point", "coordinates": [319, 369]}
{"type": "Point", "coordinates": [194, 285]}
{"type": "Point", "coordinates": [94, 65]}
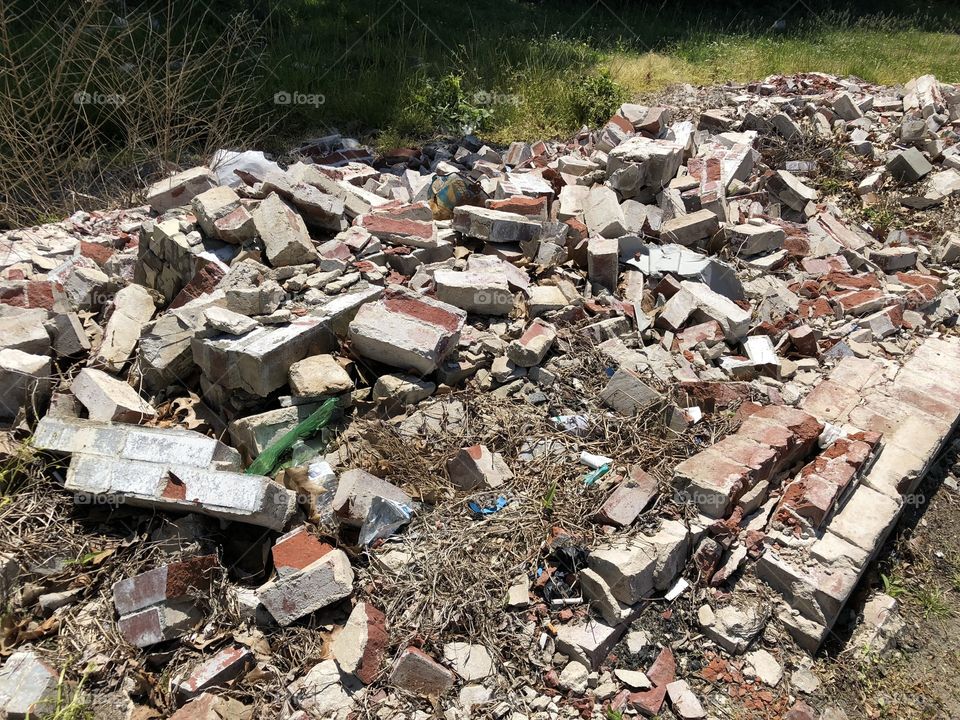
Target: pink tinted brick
{"type": "Point", "coordinates": [417, 672]}
{"type": "Point", "coordinates": [629, 499]}
{"type": "Point", "coordinates": [223, 667]}
{"type": "Point", "coordinates": [758, 457]}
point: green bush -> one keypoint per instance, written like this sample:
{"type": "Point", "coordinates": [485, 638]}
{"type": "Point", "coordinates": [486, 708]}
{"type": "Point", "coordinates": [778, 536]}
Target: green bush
{"type": "Point", "coordinates": [596, 99]}
{"type": "Point", "coordinates": [447, 106]}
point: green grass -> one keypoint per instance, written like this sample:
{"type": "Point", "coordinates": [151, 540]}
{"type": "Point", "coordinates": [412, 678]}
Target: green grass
{"type": "Point", "coordinates": [933, 603]}
{"type": "Point", "coordinates": [526, 70]}
{"type": "Point", "coordinates": [198, 74]}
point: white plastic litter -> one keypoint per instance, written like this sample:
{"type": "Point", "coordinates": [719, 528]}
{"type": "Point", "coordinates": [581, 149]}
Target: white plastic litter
{"type": "Point", "coordinates": [224, 163]}
{"type": "Point", "coordinates": [594, 461]}
{"type": "Point", "coordinates": [677, 590]}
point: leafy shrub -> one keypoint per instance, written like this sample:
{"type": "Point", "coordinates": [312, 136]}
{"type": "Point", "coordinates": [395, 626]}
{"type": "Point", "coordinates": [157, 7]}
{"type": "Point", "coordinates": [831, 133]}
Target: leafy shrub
{"type": "Point", "coordinates": [447, 106]}
{"type": "Point", "coordinates": [596, 98]}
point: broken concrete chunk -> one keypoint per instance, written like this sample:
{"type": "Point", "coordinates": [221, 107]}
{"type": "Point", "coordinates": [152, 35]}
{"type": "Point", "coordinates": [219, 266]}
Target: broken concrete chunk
{"type": "Point", "coordinates": [212, 205]}
{"type": "Point", "coordinates": [220, 669]}
{"type": "Point", "coordinates": [356, 492]}
{"type": "Point", "coordinates": [602, 213]}
{"type": "Point", "coordinates": [158, 605]}
{"type": "Point", "coordinates": [544, 298]}
{"type": "Point", "coordinates": [629, 499]}
{"type": "Point", "coordinates": [639, 163]}
{"type": "Point", "coordinates": [69, 337]}
{"type": "Point", "coordinates": [690, 229]}
{"type": "Point", "coordinates": [684, 703]}
{"type": "Point", "coordinates": [628, 394]}
{"type": "Point", "coordinates": [531, 347]}
{"type": "Point", "coordinates": [228, 321]}
{"type": "Point", "coordinates": [909, 166]}
{"type": "Point", "coordinates": [891, 259]}
{"type": "Point", "coordinates": [698, 301]}
{"type": "Point", "coordinates": [587, 643]}
{"type": "Point", "coordinates": [107, 398]}
{"type": "Point", "coordinates": [318, 376]}
{"type": "Point", "coordinates": [259, 361]}
{"type": "Point", "coordinates": [284, 234]}
{"type": "Point", "coordinates": [749, 240]}
{"type": "Point", "coordinates": [24, 381]}
{"type": "Point", "coordinates": [23, 329]}
{"type": "Point", "coordinates": [495, 226]}
{"type": "Point", "coordinates": [732, 627]}
{"type": "Point", "coordinates": [471, 662]}
{"type": "Point", "coordinates": [253, 434]}
{"type": "Point", "coordinates": [28, 686]}
{"type": "Point", "coordinates": [475, 291]}
{"type": "Point", "coordinates": [401, 389]}
{"type": "Point", "coordinates": [791, 190]}
{"type": "Point", "coordinates": [179, 189]}
{"type": "Point", "coordinates": [133, 307]}
{"type": "Point", "coordinates": [603, 262]}
{"type": "Point", "coordinates": [476, 467]}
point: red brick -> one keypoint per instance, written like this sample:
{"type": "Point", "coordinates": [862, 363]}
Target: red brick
{"type": "Point", "coordinates": [920, 296]}
{"type": "Point", "coordinates": [168, 582]}
{"type": "Point", "coordinates": [804, 341]}
{"type": "Point", "coordinates": [664, 668]}
{"type": "Point", "coordinates": [805, 426]}
{"type": "Point", "coordinates": [668, 287]}
{"type": "Point", "coordinates": [203, 282]}
{"type": "Point", "coordinates": [801, 711]}
{"type": "Point", "coordinates": [397, 227]}
{"type": "Point", "coordinates": [28, 294]}
{"type": "Point", "coordinates": [918, 280]}
{"type": "Point", "coordinates": [811, 498]}
{"type": "Point", "coordinates": [819, 307]}
{"type": "Point", "coordinates": [837, 471]}
{"type": "Point", "coordinates": [709, 333]}
{"type": "Point", "coordinates": [846, 281]}
{"type": "Point", "coordinates": [97, 252]}
{"type": "Point", "coordinates": [361, 645]}
{"type": "Point", "coordinates": [296, 550]}
{"type": "Point", "coordinates": [852, 450]}
{"type": "Point", "coordinates": [417, 672]}
{"type": "Point", "coordinates": [713, 396]}
{"type": "Point", "coordinates": [860, 302]}
{"type": "Point", "coordinates": [521, 205]}
{"type": "Point", "coordinates": [648, 702]}
{"type": "Point", "coordinates": [773, 435]}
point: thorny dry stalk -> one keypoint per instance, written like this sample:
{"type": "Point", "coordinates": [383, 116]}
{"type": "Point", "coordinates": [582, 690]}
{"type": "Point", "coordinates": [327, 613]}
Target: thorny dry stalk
{"type": "Point", "coordinates": [91, 107]}
{"type": "Point", "coordinates": [460, 567]}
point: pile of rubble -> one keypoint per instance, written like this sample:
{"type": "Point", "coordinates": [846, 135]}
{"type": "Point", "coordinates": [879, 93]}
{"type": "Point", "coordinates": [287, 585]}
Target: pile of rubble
{"type": "Point", "coordinates": [756, 300]}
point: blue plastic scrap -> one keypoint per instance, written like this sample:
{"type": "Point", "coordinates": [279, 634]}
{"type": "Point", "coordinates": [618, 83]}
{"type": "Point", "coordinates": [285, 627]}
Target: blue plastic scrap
{"type": "Point", "coordinates": [499, 504]}
{"type": "Point", "coordinates": [595, 475]}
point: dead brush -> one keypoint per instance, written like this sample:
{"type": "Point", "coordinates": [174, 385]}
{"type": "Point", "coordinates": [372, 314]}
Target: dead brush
{"type": "Point", "coordinates": [460, 566]}
{"type": "Point", "coordinates": [93, 105]}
